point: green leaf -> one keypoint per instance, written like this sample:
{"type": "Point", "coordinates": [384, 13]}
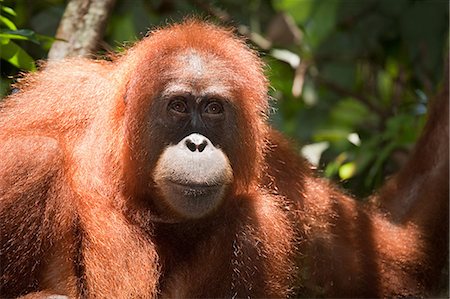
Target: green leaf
{"type": "Point", "coordinates": [9, 10]}
{"type": "Point", "coordinates": [15, 55]}
{"type": "Point", "coordinates": [333, 167]}
{"type": "Point", "coordinates": [4, 40]}
{"type": "Point", "coordinates": [21, 34]}
{"type": "Point", "coordinates": [381, 158]}
{"type": "Point", "coordinates": [385, 86]}
{"type": "Point", "coordinates": [280, 74]}
{"type": "Point", "coordinates": [122, 27]}
{"type": "Point", "coordinates": [350, 113]}
{"type": "Point", "coordinates": [8, 36]}
{"type": "Point", "coordinates": [347, 170]}
{"type": "Point", "coordinates": [8, 23]}
{"type": "Point", "coordinates": [331, 134]}
{"type": "Point", "coordinates": [322, 22]}
{"type": "Point", "coordinates": [298, 9]}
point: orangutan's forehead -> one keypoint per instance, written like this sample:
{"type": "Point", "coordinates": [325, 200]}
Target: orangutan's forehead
{"type": "Point", "coordinates": [201, 72]}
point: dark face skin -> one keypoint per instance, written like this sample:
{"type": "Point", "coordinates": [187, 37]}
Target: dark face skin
{"type": "Point", "coordinates": [175, 116]}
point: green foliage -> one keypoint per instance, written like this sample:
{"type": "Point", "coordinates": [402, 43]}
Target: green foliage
{"type": "Point", "coordinates": [299, 9]}
{"type": "Point", "coordinates": [15, 55]}
{"type": "Point", "coordinates": [10, 51]}
{"type": "Point", "coordinates": [372, 66]}
{"type": "Point", "coordinates": [368, 67]}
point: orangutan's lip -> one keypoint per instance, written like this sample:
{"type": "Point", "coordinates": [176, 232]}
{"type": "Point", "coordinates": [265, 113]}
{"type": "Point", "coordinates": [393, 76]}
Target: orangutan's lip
{"type": "Point", "coordinates": [194, 185]}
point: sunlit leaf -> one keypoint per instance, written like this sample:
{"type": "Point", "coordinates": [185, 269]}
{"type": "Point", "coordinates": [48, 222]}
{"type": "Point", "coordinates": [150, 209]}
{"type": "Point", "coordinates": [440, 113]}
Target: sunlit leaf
{"type": "Point", "coordinates": [8, 23]}
{"type": "Point", "coordinates": [347, 170]}
{"type": "Point", "coordinates": [9, 10]}
{"type": "Point", "coordinates": [15, 55]}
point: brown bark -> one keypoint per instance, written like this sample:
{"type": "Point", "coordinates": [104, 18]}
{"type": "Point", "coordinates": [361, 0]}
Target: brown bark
{"type": "Point", "coordinates": [81, 28]}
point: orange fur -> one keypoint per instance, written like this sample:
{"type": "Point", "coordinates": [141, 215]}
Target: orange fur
{"type": "Point", "coordinates": [77, 216]}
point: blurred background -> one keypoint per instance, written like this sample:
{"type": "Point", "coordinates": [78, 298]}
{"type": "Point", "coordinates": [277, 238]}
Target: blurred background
{"type": "Point", "coordinates": [350, 79]}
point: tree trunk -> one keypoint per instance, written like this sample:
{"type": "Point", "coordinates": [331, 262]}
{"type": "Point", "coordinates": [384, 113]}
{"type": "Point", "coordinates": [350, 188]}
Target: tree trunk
{"type": "Point", "coordinates": [81, 28]}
